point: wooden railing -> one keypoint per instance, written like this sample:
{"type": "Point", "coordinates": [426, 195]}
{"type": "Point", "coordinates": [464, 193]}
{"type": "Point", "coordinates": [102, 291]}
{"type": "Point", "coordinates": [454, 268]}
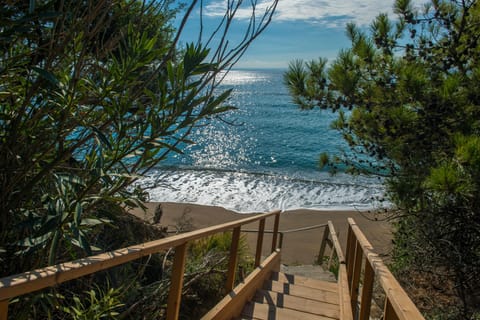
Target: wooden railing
{"type": "Point", "coordinates": [354, 303]}
{"type": "Point", "coordinates": [330, 238]}
{"type": "Point", "coordinates": [361, 260]}
{"type": "Point", "coordinates": [20, 284]}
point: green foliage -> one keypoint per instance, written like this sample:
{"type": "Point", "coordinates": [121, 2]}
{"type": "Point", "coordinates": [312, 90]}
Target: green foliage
{"type": "Point", "coordinates": [207, 265]}
{"type": "Point", "coordinates": [412, 87]}
{"type": "Point", "coordinates": [96, 304]}
{"type": "Point", "coordinates": [204, 280]}
{"type": "Point", "coordinates": [220, 244]}
{"type": "Point", "coordinates": [85, 111]}
{"type": "Point", "coordinates": [334, 265]}
{"type": "Point", "coordinates": [93, 95]}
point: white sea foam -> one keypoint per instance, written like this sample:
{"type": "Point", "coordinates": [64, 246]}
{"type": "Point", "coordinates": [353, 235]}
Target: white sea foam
{"type": "Point", "coordinates": [267, 160]}
{"type": "Point", "coordinates": [247, 192]}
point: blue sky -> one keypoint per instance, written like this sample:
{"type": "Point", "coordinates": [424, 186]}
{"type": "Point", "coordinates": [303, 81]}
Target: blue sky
{"type": "Point", "coordinates": [300, 29]}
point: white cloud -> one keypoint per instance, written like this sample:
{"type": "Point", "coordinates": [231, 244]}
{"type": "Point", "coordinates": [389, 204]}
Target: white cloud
{"type": "Point", "coordinates": [332, 13]}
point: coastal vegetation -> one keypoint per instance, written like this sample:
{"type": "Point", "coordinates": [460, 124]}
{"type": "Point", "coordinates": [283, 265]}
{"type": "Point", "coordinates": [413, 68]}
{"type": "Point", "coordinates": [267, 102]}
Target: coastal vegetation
{"type": "Point", "coordinates": [93, 95]}
{"type": "Point", "coordinates": [408, 97]}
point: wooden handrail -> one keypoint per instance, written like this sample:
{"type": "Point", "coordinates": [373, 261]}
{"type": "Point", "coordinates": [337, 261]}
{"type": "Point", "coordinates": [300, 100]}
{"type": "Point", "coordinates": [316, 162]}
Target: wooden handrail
{"type": "Point", "coordinates": [350, 271]}
{"type": "Point", "coordinates": [336, 243]}
{"type": "Point", "coordinates": [397, 303]}
{"type": "Point", "coordinates": [27, 282]}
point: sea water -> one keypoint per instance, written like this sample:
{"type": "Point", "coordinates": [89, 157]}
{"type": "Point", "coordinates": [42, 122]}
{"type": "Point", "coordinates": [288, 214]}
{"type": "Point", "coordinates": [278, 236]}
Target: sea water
{"type": "Point", "coordinates": [262, 156]}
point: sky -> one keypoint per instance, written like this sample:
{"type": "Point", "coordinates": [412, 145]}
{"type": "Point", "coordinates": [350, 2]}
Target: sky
{"type": "Point", "coordinates": [300, 29]}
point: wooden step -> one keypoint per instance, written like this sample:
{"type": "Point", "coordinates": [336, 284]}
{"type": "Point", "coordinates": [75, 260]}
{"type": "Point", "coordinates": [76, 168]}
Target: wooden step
{"type": "Point", "coordinates": [260, 311]}
{"type": "Point", "coordinates": [299, 304]}
{"type": "Point", "coordinates": [309, 271]}
{"type": "Point", "coordinates": [317, 294]}
{"type": "Point", "coordinates": [306, 282]}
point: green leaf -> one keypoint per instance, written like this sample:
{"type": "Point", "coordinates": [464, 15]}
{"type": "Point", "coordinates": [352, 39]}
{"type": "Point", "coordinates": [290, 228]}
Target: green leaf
{"type": "Point", "coordinates": [33, 242]}
{"type": "Point", "coordinates": [70, 179]}
{"type": "Point", "coordinates": [101, 136]}
{"type": "Point", "coordinates": [91, 222]}
{"type": "Point", "coordinates": [47, 76]}
{"type": "Point", "coordinates": [218, 100]}
{"type": "Point", "coordinates": [84, 244]}
{"type": "Point", "coordinates": [194, 55]}
{"type": "Point", "coordinates": [49, 224]}
{"type": "Point", "coordinates": [77, 216]}
{"type": "Point", "coordinates": [171, 73]}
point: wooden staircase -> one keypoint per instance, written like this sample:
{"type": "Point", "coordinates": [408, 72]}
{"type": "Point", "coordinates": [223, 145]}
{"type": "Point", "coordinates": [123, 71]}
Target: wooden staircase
{"type": "Point", "coordinates": [286, 296]}
{"type": "Point", "coordinates": [265, 293]}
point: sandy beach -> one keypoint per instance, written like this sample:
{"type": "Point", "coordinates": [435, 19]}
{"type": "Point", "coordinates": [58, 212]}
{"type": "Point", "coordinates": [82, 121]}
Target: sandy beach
{"type": "Point", "coordinates": [299, 247]}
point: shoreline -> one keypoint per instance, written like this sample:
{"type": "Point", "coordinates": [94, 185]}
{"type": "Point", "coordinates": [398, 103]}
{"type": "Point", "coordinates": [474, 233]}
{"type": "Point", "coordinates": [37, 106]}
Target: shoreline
{"type": "Point", "coordinates": [378, 232]}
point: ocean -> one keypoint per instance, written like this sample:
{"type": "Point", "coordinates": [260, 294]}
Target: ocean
{"type": "Point", "coordinates": [262, 156]}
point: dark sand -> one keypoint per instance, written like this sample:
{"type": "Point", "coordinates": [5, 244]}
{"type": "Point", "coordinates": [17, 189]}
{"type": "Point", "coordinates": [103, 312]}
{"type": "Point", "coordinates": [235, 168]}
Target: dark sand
{"type": "Point", "coordinates": [298, 248]}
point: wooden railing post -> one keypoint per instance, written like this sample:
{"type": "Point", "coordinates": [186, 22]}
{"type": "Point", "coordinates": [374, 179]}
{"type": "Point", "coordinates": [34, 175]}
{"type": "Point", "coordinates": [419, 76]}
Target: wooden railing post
{"type": "Point", "coordinates": [331, 257]}
{"type": "Point", "coordinates": [258, 253]}
{"type": "Point", "coordinates": [175, 294]}
{"type": "Point", "coordinates": [350, 253]}
{"type": "Point", "coordinates": [344, 293]}
{"type": "Point", "coordinates": [323, 245]}
{"type": "Point", "coordinates": [232, 264]}
{"type": "Point", "coordinates": [275, 232]}
{"type": "Point", "coordinates": [357, 268]}
{"type": "Point", "coordinates": [4, 309]}
{"type": "Point", "coordinates": [367, 289]}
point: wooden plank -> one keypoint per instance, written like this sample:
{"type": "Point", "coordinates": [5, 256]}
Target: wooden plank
{"type": "Point", "coordinates": [275, 232]}
{"type": "Point", "coordinates": [306, 282]}
{"type": "Point", "coordinates": [301, 291]}
{"type": "Point", "coordinates": [344, 297]}
{"type": "Point", "coordinates": [389, 312]}
{"type": "Point", "coordinates": [336, 243]}
{"type": "Point", "coordinates": [355, 282]}
{"type": "Point", "coordinates": [258, 252]}
{"type": "Point", "coordinates": [299, 304]}
{"type": "Point", "coordinates": [31, 281]}
{"type": "Point", "coordinates": [231, 306]}
{"type": "Point", "coordinates": [265, 311]}
{"type": "Point", "coordinates": [4, 309]}
{"type": "Point", "coordinates": [175, 294]}
{"type": "Point", "coordinates": [232, 263]}
{"type": "Point", "coordinates": [344, 294]}
{"type": "Point", "coordinates": [323, 244]}
{"type": "Point", "coordinates": [280, 245]}
{"type": "Point", "coordinates": [350, 253]}
{"type": "Point", "coordinates": [367, 291]}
